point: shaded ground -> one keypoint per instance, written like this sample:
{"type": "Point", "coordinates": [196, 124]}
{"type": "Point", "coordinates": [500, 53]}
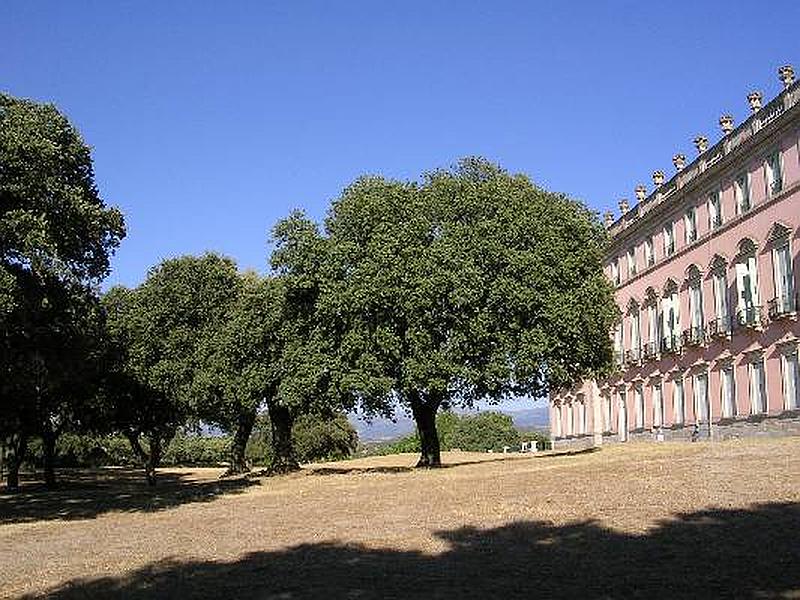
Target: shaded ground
{"type": "Point", "coordinates": [655, 521]}
{"type": "Point", "coordinates": [83, 494]}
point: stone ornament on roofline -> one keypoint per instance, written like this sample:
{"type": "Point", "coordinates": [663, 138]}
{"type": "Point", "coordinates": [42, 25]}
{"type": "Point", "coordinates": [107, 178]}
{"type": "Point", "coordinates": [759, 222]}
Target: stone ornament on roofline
{"type": "Point", "coordinates": [786, 75]}
{"type": "Point", "coordinates": [658, 178]}
{"type": "Point", "coordinates": [679, 160]}
{"type": "Point", "coordinates": [608, 218]}
{"type": "Point", "coordinates": [701, 143]}
{"type": "Point", "coordinates": [755, 98]}
{"type": "Point", "coordinates": [641, 192]}
{"type": "Point", "coordinates": [726, 123]}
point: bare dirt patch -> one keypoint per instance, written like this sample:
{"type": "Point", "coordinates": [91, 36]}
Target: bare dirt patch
{"type": "Point", "coordinates": [666, 521]}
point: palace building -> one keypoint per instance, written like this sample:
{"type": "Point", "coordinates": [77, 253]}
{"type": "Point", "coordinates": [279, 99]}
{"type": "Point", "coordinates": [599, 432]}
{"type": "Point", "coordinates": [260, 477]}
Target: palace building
{"type": "Point", "coordinates": [706, 274]}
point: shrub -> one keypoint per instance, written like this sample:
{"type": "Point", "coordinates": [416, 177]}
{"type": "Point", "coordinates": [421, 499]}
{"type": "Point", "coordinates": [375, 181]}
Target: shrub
{"type": "Point", "coordinates": [472, 433]}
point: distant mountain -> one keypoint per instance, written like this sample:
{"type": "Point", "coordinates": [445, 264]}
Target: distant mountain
{"type": "Point", "coordinates": [379, 430]}
{"type": "Point", "coordinates": [387, 429]}
{"type": "Point", "coordinates": [530, 418]}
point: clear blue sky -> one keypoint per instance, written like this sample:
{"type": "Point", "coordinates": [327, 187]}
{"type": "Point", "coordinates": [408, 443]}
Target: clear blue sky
{"type": "Point", "coordinates": [211, 120]}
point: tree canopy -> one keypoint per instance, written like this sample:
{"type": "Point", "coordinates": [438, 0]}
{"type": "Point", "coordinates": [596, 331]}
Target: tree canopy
{"type": "Point", "coordinates": [157, 330]}
{"type": "Point", "coordinates": [473, 284]}
{"type": "Point", "coordinates": [57, 236]}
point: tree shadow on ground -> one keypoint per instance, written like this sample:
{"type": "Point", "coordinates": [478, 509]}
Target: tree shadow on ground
{"type": "Point", "coordinates": [708, 554]}
{"type": "Point", "coordinates": [85, 494]}
{"type": "Point", "coordinates": [345, 469]}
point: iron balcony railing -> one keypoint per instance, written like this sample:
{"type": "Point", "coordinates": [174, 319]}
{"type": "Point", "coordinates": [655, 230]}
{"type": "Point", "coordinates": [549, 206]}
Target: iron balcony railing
{"type": "Point", "coordinates": [651, 350]}
{"type": "Point", "coordinates": [719, 327]}
{"type": "Point", "coordinates": [633, 356]}
{"type": "Point", "coordinates": [749, 316]}
{"type": "Point", "coordinates": [782, 306]}
{"type": "Point", "coordinates": [670, 344]}
{"type": "Point", "coordinates": [694, 336]}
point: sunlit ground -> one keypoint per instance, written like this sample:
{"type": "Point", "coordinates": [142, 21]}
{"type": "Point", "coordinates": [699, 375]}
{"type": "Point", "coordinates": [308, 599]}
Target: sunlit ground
{"type": "Point", "coordinates": [666, 521]}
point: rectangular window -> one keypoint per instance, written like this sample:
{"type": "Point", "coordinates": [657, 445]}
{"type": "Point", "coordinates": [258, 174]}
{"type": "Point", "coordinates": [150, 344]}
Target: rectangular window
{"type": "Point", "coordinates": [619, 350]}
{"type": "Point", "coordinates": [791, 380]}
{"type": "Point", "coordinates": [636, 335]}
{"type": "Point", "coordinates": [669, 240]}
{"type": "Point", "coordinates": [631, 262]}
{"type": "Point", "coordinates": [670, 325]}
{"type": "Point", "coordinates": [784, 279]}
{"type": "Point", "coordinates": [652, 324]}
{"type": "Point", "coordinates": [639, 396]}
{"type": "Point", "coordinates": [721, 300]}
{"type": "Point", "coordinates": [615, 272]}
{"type": "Point", "coordinates": [747, 285]}
{"type": "Point", "coordinates": [607, 411]}
{"type": "Point", "coordinates": [701, 397]}
{"type": "Point", "coordinates": [690, 220]}
{"type": "Point", "coordinates": [758, 387]}
{"type": "Point", "coordinates": [696, 306]}
{"type": "Point", "coordinates": [728, 392]}
{"type": "Point", "coordinates": [714, 211]}
{"type": "Point", "coordinates": [678, 402]}
{"type": "Point", "coordinates": [649, 255]}
{"type": "Point", "coordinates": [741, 191]}
{"type": "Point", "coordinates": [774, 174]}
{"type": "Point", "coordinates": [658, 405]}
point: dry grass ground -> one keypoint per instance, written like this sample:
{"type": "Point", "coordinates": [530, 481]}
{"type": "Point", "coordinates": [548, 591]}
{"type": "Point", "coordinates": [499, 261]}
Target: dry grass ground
{"type": "Point", "coordinates": [666, 521]}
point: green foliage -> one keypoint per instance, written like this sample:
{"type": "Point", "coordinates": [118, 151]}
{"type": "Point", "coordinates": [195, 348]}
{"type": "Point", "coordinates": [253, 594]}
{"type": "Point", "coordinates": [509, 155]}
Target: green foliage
{"type": "Point", "coordinates": [317, 438]}
{"type": "Point", "coordinates": [480, 432]}
{"type": "Point", "coordinates": [52, 218]}
{"type": "Point", "coordinates": [473, 284]}
{"type": "Point", "coordinates": [57, 237]}
{"type": "Point", "coordinates": [197, 450]}
{"type": "Point", "coordinates": [484, 431]}
{"type": "Point", "coordinates": [406, 444]}
{"type": "Point", "coordinates": [158, 356]}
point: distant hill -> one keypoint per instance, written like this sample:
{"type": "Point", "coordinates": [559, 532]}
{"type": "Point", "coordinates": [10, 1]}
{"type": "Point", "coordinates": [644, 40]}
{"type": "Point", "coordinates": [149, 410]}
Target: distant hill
{"type": "Point", "coordinates": [385, 429]}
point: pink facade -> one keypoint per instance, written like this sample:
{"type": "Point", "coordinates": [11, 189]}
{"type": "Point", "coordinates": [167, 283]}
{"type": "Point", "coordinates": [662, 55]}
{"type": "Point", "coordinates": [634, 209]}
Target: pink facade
{"type": "Point", "coordinates": [708, 342]}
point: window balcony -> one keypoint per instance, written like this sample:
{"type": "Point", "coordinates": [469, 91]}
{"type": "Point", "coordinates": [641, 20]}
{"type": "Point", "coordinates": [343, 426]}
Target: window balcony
{"type": "Point", "coordinates": [694, 336]}
{"type": "Point", "coordinates": [633, 356]}
{"type": "Point", "coordinates": [750, 317]}
{"type": "Point", "coordinates": [782, 307]}
{"type": "Point", "coordinates": [671, 344]}
{"type": "Point", "coordinates": [719, 327]}
{"type": "Point", "coordinates": [619, 358]}
{"type": "Point", "coordinates": [651, 351]}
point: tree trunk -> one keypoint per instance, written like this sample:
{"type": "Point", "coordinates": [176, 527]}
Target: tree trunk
{"type": "Point", "coordinates": [149, 460]}
{"type": "Point", "coordinates": [283, 458]}
{"type": "Point", "coordinates": [244, 427]}
{"type": "Point", "coordinates": [49, 438]}
{"type": "Point", "coordinates": [15, 454]}
{"type": "Point", "coordinates": [424, 412]}
{"type": "Point", "coordinates": [154, 459]}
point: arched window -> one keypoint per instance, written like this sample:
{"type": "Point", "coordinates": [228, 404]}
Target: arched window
{"type": "Point", "coordinates": [748, 311]}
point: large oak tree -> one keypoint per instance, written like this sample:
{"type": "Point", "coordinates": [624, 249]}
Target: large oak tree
{"type": "Point", "coordinates": [57, 236]}
{"type": "Point", "coordinates": [471, 284]}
